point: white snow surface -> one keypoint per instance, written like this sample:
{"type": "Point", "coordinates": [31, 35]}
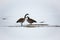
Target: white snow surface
{"type": "Point", "coordinates": [25, 33]}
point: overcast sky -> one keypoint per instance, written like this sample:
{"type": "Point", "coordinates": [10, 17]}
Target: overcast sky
{"type": "Point", "coordinates": [47, 10]}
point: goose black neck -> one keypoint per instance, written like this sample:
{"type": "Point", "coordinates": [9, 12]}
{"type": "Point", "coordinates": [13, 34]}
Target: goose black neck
{"type": "Point", "coordinates": [25, 15]}
{"type": "Point", "coordinates": [28, 18]}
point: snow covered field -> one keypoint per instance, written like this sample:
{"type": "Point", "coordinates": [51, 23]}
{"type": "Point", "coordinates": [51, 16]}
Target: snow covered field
{"type": "Point", "coordinates": [24, 33]}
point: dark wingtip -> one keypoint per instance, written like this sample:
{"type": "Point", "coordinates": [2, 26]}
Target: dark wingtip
{"type": "Point", "coordinates": [16, 21]}
{"type": "Point", "coordinates": [35, 21]}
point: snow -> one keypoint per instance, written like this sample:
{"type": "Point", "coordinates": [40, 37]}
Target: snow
{"type": "Point", "coordinates": [24, 33]}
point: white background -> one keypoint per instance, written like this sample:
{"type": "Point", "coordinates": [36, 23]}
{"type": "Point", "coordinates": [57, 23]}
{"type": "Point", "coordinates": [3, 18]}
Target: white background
{"type": "Point", "coordinates": [48, 10]}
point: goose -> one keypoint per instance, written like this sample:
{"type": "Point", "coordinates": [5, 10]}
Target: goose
{"type": "Point", "coordinates": [29, 20]}
{"type": "Point", "coordinates": [21, 20]}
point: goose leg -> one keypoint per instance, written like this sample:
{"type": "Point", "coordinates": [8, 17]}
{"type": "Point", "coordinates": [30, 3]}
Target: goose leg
{"type": "Point", "coordinates": [21, 24]}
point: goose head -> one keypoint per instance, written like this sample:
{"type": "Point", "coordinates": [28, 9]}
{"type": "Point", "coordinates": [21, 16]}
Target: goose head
{"type": "Point", "coordinates": [26, 15]}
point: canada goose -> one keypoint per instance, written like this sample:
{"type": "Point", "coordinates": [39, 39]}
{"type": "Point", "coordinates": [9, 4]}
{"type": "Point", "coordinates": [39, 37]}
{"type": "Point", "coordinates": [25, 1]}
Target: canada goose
{"type": "Point", "coordinates": [21, 20]}
{"type": "Point", "coordinates": [29, 20]}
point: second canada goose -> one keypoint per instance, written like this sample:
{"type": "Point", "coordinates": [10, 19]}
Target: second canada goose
{"type": "Point", "coordinates": [29, 20]}
{"type": "Point", "coordinates": [21, 20]}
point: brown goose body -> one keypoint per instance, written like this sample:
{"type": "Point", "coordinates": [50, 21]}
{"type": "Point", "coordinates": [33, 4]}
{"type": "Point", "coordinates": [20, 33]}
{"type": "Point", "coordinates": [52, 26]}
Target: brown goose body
{"type": "Point", "coordinates": [21, 20]}
{"type": "Point", "coordinates": [29, 20]}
